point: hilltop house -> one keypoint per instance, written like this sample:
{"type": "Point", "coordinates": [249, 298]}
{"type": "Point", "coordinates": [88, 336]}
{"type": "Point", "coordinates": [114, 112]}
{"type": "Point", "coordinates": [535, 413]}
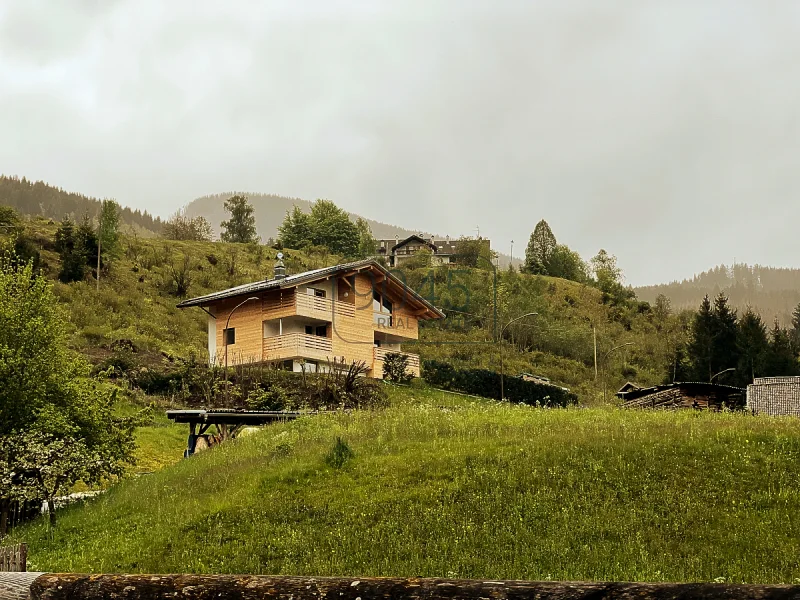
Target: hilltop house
{"type": "Point", "coordinates": [357, 312]}
{"type": "Point", "coordinates": [443, 252]}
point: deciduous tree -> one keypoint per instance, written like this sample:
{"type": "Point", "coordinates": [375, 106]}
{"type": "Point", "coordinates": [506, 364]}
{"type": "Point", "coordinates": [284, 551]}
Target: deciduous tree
{"type": "Point", "coordinates": [541, 246]}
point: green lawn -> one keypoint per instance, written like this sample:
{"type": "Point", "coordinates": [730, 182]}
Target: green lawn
{"type": "Point", "coordinates": [443, 485]}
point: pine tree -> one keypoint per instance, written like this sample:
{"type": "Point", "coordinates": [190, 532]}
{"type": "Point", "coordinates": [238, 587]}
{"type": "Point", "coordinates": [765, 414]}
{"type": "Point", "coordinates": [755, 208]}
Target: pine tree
{"type": "Point", "coordinates": [753, 346]}
{"type": "Point", "coordinates": [780, 358]}
{"type": "Point", "coordinates": [241, 227]}
{"type": "Point", "coordinates": [540, 249]}
{"type": "Point", "coordinates": [724, 351]}
{"type": "Point", "coordinates": [795, 331]}
{"type": "Point", "coordinates": [700, 346]}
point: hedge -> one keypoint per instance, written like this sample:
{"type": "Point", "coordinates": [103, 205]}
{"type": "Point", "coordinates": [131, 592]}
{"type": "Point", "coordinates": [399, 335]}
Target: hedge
{"type": "Point", "coordinates": [486, 383]}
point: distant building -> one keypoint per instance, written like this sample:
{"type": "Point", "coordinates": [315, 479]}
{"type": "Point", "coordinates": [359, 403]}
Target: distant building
{"type": "Point", "coordinates": [774, 396]}
{"type": "Point", "coordinates": [675, 396]}
{"type": "Point", "coordinates": [443, 252]}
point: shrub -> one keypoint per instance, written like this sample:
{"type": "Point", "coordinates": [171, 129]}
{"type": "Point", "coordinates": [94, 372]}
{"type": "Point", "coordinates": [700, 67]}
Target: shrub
{"type": "Point", "coordinates": [395, 368]}
{"type": "Point", "coordinates": [339, 454]}
{"type": "Point", "coordinates": [486, 383]}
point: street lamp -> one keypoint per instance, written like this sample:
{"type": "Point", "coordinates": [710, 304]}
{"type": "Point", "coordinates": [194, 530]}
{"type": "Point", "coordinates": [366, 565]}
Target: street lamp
{"type": "Point", "coordinates": [225, 341]}
{"type": "Point", "coordinates": [605, 366]}
{"type": "Point", "coordinates": [720, 373]}
{"type": "Point", "coordinates": [500, 341]}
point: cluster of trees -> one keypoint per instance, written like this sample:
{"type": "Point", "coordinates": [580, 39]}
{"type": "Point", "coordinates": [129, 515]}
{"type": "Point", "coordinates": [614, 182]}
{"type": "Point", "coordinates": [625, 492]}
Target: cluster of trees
{"type": "Point", "coordinates": [39, 198]}
{"type": "Point", "coordinates": [182, 227]}
{"type": "Point", "coordinates": [83, 247]}
{"type": "Point", "coordinates": [545, 256]}
{"type": "Point", "coordinates": [56, 426]}
{"type": "Point", "coordinates": [739, 349]}
{"type": "Point", "coordinates": [329, 226]}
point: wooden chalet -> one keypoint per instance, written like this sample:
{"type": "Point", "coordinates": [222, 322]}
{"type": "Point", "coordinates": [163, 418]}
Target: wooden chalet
{"type": "Point", "coordinates": [397, 251]}
{"type": "Point", "coordinates": [674, 396]}
{"type": "Point", "coordinates": [357, 311]}
{"type": "Point", "coordinates": [776, 396]}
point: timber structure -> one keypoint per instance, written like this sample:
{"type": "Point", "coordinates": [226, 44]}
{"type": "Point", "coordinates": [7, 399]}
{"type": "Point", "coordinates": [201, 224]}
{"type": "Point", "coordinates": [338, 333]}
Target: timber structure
{"type": "Point", "coordinates": [51, 586]}
{"type": "Point", "coordinates": [353, 312]}
{"type": "Point", "coordinates": [688, 394]}
{"type": "Point", "coordinates": [227, 422]}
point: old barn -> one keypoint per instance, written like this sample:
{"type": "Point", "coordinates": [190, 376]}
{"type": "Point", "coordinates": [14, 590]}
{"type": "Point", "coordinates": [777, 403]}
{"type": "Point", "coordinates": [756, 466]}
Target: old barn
{"type": "Point", "coordinates": [674, 396]}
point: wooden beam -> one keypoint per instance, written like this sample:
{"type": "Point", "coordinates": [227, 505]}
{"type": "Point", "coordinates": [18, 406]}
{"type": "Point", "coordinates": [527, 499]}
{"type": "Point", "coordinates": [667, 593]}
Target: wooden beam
{"type": "Point", "coordinates": [259, 587]}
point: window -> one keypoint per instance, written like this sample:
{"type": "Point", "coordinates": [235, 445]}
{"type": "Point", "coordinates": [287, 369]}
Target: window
{"type": "Point", "coordinates": [322, 331]}
{"type": "Point", "coordinates": [229, 336]}
{"type": "Point", "coordinates": [309, 330]}
{"type": "Point", "coordinates": [315, 292]}
{"type": "Point", "coordinates": [382, 309]}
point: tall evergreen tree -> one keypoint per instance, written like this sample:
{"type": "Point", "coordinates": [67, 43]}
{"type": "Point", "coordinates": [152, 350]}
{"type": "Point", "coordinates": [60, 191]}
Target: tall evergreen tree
{"type": "Point", "coordinates": [541, 246]}
{"type": "Point", "coordinates": [795, 332]}
{"type": "Point", "coordinates": [700, 346]}
{"type": "Point", "coordinates": [724, 351]}
{"type": "Point", "coordinates": [241, 227]}
{"type": "Point", "coordinates": [780, 359]}
{"type": "Point", "coordinates": [753, 346]}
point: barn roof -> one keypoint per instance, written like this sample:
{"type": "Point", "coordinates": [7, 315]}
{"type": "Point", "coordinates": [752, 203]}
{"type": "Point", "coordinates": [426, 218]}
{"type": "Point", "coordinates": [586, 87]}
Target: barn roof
{"type": "Point", "coordinates": [291, 281]}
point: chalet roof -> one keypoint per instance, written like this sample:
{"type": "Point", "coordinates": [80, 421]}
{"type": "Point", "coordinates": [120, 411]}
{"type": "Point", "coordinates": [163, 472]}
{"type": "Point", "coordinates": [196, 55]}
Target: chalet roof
{"type": "Point", "coordinates": [629, 386]}
{"type": "Point", "coordinates": [693, 385]}
{"type": "Point", "coordinates": [413, 238]}
{"type": "Point", "coordinates": [291, 281]}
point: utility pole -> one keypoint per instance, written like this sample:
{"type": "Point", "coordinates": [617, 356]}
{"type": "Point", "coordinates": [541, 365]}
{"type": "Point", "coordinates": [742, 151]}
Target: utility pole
{"type": "Point", "coordinates": [500, 341]}
{"type": "Point", "coordinates": [99, 241]}
{"type": "Point", "coordinates": [512, 252]}
{"type": "Point", "coordinates": [594, 334]}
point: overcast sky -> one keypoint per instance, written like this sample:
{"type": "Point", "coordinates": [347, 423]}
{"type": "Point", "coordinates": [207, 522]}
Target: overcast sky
{"type": "Point", "coordinates": [666, 132]}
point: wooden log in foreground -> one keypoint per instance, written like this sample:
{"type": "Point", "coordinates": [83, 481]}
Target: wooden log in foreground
{"type": "Point", "coordinates": [52, 586]}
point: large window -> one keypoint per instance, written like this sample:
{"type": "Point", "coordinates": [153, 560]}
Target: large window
{"type": "Point", "coordinates": [382, 309]}
{"type": "Point", "coordinates": [229, 336]}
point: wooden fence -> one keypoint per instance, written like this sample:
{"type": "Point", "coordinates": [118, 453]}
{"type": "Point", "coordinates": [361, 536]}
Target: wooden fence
{"type": "Point", "coordinates": [47, 586]}
{"type": "Point", "coordinates": [14, 558]}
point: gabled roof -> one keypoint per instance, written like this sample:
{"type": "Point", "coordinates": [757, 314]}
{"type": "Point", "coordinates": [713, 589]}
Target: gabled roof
{"type": "Point", "coordinates": [413, 238]}
{"type": "Point", "coordinates": [291, 281]}
{"type": "Point", "coordinates": [628, 387]}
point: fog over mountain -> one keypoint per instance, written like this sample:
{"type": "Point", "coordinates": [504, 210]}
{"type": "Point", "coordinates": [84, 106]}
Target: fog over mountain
{"type": "Point", "coordinates": [666, 132]}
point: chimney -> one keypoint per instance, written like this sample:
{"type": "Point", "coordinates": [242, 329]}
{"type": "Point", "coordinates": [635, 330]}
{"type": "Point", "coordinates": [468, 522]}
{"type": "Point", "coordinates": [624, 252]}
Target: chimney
{"type": "Point", "coordinates": [280, 269]}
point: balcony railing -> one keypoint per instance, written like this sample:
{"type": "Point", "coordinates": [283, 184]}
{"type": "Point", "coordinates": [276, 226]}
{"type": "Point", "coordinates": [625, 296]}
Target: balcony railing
{"type": "Point", "coordinates": [296, 345]}
{"type": "Point", "coordinates": [413, 359]}
{"type": "Point", "coordinates": [304, 305]}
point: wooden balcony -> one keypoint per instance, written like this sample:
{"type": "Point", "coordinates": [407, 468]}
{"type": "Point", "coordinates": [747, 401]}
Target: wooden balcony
{"type": "Point", "coordinates": [303, 305]}
{"type": "Point", "coordinates": [297, 345]}
{"type": "Point", "coordinates": [379, 354]}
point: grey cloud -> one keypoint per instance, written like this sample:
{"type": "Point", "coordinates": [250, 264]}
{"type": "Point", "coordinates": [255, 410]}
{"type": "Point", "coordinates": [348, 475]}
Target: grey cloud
{"type": "Point", "coordinates": [664, 132]}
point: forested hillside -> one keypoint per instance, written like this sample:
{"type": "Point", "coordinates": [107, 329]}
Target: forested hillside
{"type": "Point", "coordinates": [39, 198]}
{"type": "Point", "coordinates": [135, 307]}
{"type": "Point", "coordinates": [270, 210]}
{"type": "Point", "coordinates": [772, 292]}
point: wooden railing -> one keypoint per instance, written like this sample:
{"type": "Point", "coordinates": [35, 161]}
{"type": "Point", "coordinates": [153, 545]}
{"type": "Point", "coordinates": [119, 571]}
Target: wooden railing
{"type": "Point", "coordinates": [310, 306]}
{"type": "Point", "coordinates": [380, 354]}
{"type": "Point", "coordinates": [296, 344]}
{"type": "Point", "coordinates": [65, 586]}
{"type": "Point", "coordinates": [14, 558]}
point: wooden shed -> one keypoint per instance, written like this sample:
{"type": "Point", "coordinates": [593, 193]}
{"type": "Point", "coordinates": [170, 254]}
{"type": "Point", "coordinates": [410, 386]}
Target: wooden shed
{"type": "Point", "coordinates": [690, 394]}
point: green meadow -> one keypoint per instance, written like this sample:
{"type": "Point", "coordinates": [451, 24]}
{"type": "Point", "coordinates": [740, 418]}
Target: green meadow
{"type": "Point", "coordinates": [441, 485]}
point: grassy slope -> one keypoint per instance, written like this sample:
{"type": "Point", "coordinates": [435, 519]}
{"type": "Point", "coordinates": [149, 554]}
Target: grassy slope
{"type": "Point", "coordinates": [443, 485]}
{"type": "Point", "coordinates": [134, 303]}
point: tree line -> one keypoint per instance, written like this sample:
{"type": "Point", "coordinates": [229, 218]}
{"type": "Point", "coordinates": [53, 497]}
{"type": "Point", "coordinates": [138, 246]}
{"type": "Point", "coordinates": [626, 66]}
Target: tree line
{"type": "Point", "coordinates": [39, 198]}
{"type": "Point", "coordinates": [724, 347]}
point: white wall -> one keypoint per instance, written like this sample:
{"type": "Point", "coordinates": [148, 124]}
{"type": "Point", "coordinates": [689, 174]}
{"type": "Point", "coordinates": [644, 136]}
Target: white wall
{"type": "Point", "coordinates": [212, 339]}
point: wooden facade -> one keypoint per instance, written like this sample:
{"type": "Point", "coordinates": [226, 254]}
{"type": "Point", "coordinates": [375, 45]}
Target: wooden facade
{"type": "Point", "coordinates": [776, 396]}
{"type": "Point", "coordinates": [676, 396]}
{"type": "Point", "coordinates": [357, 312]}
